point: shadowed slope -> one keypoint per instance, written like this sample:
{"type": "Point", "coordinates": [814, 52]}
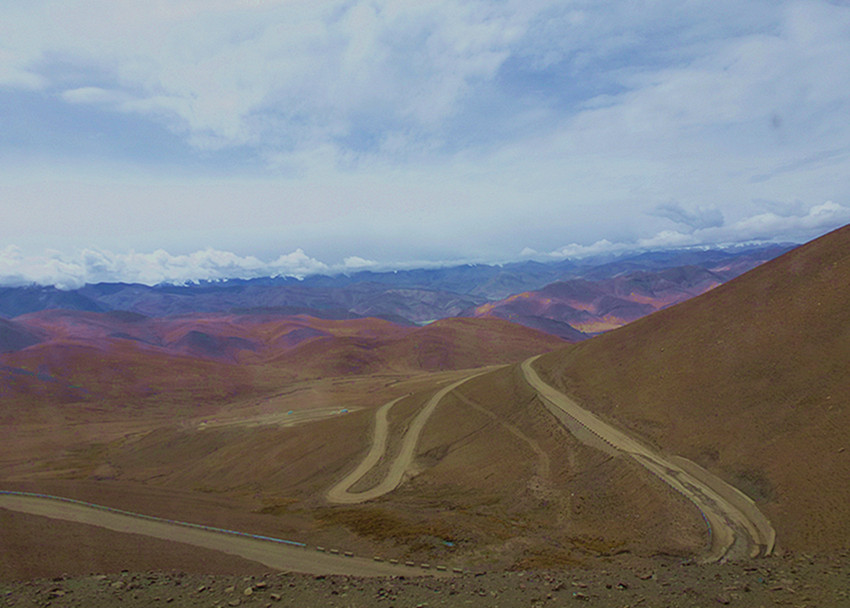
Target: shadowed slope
{"type": "Point", "coordinates": [14, 337]}
{"type": "Point", "coordinates": [749, 380]}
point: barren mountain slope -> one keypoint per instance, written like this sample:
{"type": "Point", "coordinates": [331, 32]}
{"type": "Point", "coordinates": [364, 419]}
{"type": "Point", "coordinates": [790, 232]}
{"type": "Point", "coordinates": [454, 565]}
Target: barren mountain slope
{"type": "Point", "coordinates": [749, 380]}
{"type": "Point", "coordinates": [443, 345]}
{"type": "Point", "coordinates": [599, 306]}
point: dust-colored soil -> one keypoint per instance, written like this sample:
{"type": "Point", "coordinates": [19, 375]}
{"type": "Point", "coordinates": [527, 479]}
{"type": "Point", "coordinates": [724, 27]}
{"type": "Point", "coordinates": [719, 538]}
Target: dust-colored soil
{"type": "Point", "coordinates": [777, 581]}
{"type": "Point", "coordinates": [41, 547]}
{"type": "Point", "coordinates": [496, 481]}
{"type": "Point", "coordinates": [738, 528]}
{"type": "Point", "coordinates": [275, 554]}
{"type": "Point", "coordinates": [340, 493]}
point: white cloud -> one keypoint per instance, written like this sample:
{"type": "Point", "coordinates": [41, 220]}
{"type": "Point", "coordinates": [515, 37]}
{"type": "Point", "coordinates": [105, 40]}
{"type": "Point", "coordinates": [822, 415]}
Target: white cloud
{"type": "Point", "coordinates": [17, 78]}
{"type": "Point", "coordinates": [697, 218]}
{"type": "Point", "coordinates": [229, 73]}
{"type": "Point", "coordinates": [291, 75]}
{"type": "Point", "coordinates": [94, 95]}
{"type": "Point", "coordinates": [357, 263]}
{"type": "Point", "coordinates": [765, 227]}
{"type": "Point", "coordinates": [70, 271]}
{"type": "Point", "coordinates": [416, 130]}
{"type": "Point", "coordinates": [98, 266]}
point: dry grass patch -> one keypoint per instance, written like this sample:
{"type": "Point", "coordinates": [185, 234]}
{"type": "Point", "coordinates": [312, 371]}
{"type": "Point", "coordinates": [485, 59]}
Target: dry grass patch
{"type": "Point", "coordinates": [380, 524]}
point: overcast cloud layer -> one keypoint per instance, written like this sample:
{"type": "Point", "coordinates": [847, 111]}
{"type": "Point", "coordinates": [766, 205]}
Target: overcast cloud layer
{"type": "Point", "coordinates": [240, 138]}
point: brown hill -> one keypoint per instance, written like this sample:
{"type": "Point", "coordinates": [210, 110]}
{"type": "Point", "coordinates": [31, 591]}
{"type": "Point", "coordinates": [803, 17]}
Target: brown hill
{"type": "Point", "coordinates": [117, 376]}
{"type": "Point", "coordinates": [247, 338]}
{"type": "Point", "coordinates": [749, 380]}
{"type": "Point", "coordinates": [217, 358]}
{"type": "Point", "coordinates": [460, 343]}
{"type": "Point", "coordinates": [447, 344]}
{"type": "Point", "coordinates": [568, 308]}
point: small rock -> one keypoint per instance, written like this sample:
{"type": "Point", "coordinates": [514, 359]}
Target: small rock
{"type": "Point", "coordinates": [248, 591]}
{"type": "Point", "coordinates": [230, 589]}
{"type": "Point", "coordinates": [118, 585]}
{"type": "Point", "coordinates": [275, 597]}
{"type": "Point", "coordinates": [723, 599]}
{"type": "Point", "coordinates": [201, 588]}
{"type": "Point", "coordinates": [233, 603]}
{"type": "Point", "coordinates": [580, 596]}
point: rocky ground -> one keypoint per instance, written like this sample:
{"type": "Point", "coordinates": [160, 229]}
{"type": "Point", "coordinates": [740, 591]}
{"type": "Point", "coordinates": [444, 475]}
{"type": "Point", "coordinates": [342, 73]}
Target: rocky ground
{"type": "Point", "coordinates": [799, 581]}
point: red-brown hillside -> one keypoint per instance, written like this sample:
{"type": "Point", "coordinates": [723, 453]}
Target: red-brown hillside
{"type": "Point", "coordinates": [750, 380]}
{"type": "Point", "coordinates": [443, 345]}
{"type": "Point", "coordinates": [598, 306]}
{"type": "Point", "coordinates": [209, 359]}
{"type": "Point", "coordinates": [123, 374]}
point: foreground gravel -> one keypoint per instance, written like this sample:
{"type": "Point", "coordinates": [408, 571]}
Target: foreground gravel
{"type": "Point", "coordinates": [779, 581]}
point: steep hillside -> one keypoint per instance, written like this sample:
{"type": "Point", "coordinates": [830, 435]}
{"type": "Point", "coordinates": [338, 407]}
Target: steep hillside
{"type": "Point", "coordinates": [749, 380]}
{"type": "Point", "coordinates": [572, 309]}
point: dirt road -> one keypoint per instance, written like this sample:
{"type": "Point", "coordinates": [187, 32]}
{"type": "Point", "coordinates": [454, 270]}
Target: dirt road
{"type": "Point", "coordinates": [737, 527]}
{"type": "Point", "coordinates": [399, 467]}
{"type": "Point", "coordinates": [274, 553]}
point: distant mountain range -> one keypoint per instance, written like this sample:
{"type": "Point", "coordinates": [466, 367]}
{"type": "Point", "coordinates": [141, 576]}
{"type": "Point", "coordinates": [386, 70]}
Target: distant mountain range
{"type": "Point", "coordinates": [570, 299]}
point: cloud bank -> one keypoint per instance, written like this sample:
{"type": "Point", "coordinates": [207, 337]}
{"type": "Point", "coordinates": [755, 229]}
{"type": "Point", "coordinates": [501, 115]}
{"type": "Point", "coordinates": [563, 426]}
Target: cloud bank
{"type": "Point", "coordinates": [390, 77]}
{"type": "Point", "coordinates": [71, 271]}
{"type": "Point", "coordinates": [795, 225]}
{"type": "Point", "coordinates": [404, 130]}
{"type": "Point", "coordinates": [98, 266]}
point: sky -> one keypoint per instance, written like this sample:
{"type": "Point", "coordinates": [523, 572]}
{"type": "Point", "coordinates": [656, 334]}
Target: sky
{"type": "Point", "coordinates": [176, 140]}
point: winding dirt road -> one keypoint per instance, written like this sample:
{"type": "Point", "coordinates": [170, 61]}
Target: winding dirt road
{"type": "Point", "coordinates": [737, 527]}
{"type": "Point", "coordinates": [340, 493]}
{"type": "Point", "coordinates": [274, 553]}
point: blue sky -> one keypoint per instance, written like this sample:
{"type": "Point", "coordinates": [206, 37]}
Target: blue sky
{"type": "Point", "coordinates": [185, 139]}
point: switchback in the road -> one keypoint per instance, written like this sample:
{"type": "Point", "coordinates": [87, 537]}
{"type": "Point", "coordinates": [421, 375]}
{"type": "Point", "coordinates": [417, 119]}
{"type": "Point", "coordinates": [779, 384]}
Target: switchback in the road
{"type": "Point", "coordinates": [340, 493]}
